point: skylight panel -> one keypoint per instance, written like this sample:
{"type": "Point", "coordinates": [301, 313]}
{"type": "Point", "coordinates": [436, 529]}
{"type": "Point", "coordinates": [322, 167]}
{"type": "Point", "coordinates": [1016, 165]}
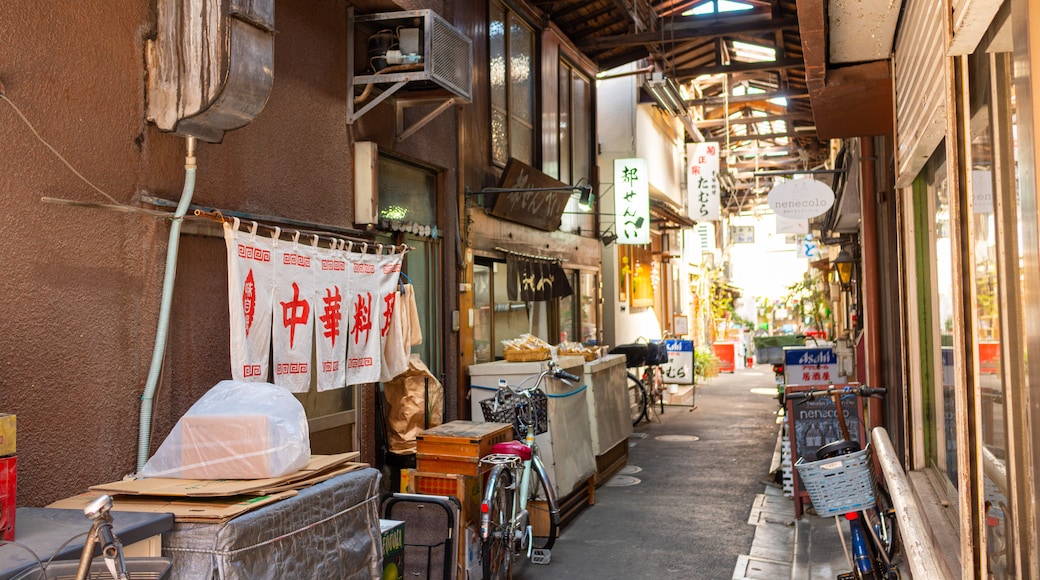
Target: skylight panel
{"type": "Point", "coordinates": [717, 7]}
{"type": "Point", "coordinates": [747, 52]}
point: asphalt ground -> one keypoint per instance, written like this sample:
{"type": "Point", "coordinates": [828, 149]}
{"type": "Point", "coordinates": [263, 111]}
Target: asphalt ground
{"type": "Point", "coordinates": [697, 473]}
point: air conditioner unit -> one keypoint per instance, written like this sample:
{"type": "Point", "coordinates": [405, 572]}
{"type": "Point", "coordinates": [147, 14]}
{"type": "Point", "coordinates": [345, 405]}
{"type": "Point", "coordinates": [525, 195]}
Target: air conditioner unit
{"type": "Point", "coordinates": [407, 50]}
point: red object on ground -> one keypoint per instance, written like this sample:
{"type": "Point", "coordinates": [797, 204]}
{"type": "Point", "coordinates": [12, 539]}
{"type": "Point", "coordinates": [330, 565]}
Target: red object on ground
{"type": "Point", "coordinates": [8, 484]}
{"type": "Point", "coordinates": [726, 352]}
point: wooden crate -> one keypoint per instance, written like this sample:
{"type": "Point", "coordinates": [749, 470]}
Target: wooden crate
{"type": "Point", "coordinates": [8, 443]}
{"type": "Point", "coordinates": [456, 447]}
{"type": "Point", "coordinates": [466, 488]}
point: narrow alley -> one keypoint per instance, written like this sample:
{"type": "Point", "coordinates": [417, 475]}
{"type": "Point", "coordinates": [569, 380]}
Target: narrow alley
{"type": "Point", "coordinates": [681, 507]}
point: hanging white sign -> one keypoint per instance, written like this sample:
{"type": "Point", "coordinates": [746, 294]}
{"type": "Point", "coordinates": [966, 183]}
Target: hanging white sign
{"type": "Point", "coordinates": [790, 226]}
{"type": "Point", "coordinates": [632, 201]}
{"type": "Point", "coordinates": [250, 293]}
{"type": "Point", "coordinates": [800, 198]}
{"type": "Point", "coordinates": [293, 328]}
{"type": "Point", "coordinates": [702, 181]}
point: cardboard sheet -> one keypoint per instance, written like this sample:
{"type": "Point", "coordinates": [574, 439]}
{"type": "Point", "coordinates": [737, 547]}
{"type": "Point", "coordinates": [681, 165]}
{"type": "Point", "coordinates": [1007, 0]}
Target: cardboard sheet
{"type": "Point", "coordinates": [197, 510]}
{"type": "Point", "coordinates": [320, 468]}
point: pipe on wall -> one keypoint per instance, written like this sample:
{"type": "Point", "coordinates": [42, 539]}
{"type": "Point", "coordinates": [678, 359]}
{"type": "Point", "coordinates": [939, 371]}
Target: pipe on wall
{"type": "Point", "coordinates": [161, 332]}
{"type": "Point", "coordinates": [871, 267]}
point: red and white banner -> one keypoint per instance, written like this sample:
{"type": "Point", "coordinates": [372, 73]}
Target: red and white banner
{"type": "Point", "coordinates": [330, 338]}
{"type": "Point", "coordinates": [391, 336]}
{"type": "Point", "coordinates": [250, 287]}
{"type": "Point", "coordinates": [371, 292]}
{"type": "Point", "coordinates": [293, 327]}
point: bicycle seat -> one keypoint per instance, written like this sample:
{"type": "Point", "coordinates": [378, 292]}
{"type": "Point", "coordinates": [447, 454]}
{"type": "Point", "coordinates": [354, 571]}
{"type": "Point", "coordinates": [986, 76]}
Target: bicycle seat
{"type": "Point", "coordinates": [512, 448]}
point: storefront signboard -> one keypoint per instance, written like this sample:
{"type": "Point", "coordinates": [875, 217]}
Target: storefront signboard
{"type": "Point", "coordinates": [679, 370]}
{"type": "Point", "coordinates": [810, 365]}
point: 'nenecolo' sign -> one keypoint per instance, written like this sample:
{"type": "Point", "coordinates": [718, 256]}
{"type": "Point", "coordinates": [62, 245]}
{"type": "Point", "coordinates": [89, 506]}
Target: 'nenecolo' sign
{"type": "Point", "coordinates": [800, 198]}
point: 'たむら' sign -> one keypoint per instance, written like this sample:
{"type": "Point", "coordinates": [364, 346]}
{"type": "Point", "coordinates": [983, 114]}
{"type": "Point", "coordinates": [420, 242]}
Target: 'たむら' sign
{"type": "Point", "coordinates": [679, 370]}
{"type": "Point", "coordinates": [810, 366]}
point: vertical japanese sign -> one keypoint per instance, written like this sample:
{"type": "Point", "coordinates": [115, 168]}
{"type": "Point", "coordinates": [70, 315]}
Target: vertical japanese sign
{"type": "Point", "coordinates": [293, 328]}
{"type": "Point", "coordinates": [632, 201]}
{"type": "Point", "coordinates": [702, 181]}
{"type": "Point", "coordinates": [250, 287]}
{"type": "Point", "coordinates": [331, 336]}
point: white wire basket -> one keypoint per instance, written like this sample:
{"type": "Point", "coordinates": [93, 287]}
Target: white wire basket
{"type": "Point", "coordinates": [839, 485]}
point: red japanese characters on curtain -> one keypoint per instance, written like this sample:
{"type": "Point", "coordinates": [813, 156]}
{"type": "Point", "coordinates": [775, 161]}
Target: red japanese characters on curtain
{"type": "Point", "coordinates": [332, 300]}
{"type": "Point", "coordinates": [331, 325]}
{"type": "Point", "coordinates": [371, 298]}
{"type": "Point", "coordinates": [250, 286]}
{"type": "Point", "coordinates": [293, 327]}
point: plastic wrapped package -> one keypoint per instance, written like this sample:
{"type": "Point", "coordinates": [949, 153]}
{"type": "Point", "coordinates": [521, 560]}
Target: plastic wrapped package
{"type": "Point", "coordinates": [237, 430]}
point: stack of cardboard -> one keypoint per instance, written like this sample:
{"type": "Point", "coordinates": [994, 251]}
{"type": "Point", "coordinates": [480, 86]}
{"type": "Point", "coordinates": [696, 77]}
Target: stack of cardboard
{"type": "Point", "coordinates": [212, 500]}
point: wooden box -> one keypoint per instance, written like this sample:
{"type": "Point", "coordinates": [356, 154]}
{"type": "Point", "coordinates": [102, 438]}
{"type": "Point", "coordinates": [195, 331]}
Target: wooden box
{"type": "Point", "coordinates": [467, 489]}
{"type": "Point", "coordinates": [8, 443]}
{"type": "Point", "coordinates": [456, 447]}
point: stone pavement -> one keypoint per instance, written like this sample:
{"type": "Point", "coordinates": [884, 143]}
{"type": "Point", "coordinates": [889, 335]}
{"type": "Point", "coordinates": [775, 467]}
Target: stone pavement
{"type": "Point", "coordinates": [692, 503]}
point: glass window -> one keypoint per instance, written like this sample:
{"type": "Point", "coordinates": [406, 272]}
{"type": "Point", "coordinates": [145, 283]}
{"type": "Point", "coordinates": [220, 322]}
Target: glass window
{"type": "Point", "coordinates": [945, 457]}
{"type": "Point", "coordinates": [588, 295]}
{"type": "Point", "coordinates": [569, 313]}
{"type": "Point", "coordinates": [575, 140]}
{"type": "Point", "coordinates": [511, 55]}
{"type": "Point", "coordinates": [482, 315]}
{"type": "Point", "coordinates": [996, 259]}
{"type": "Point", "coordinates": [408, 197]}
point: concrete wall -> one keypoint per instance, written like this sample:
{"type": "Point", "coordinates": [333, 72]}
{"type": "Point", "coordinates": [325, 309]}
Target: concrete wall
{"type": "Point", "coordinates": [80, 290]}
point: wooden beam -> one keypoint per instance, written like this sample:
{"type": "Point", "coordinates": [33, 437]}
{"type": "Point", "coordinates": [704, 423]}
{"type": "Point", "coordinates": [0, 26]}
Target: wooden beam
{"type": "Point", "coordinates": [738, 67]}
{"type": "Point", "coordinates": [746, 98]}
{"type": "Point", "coordinates": [686, 30]}
{"type": "Point", "coordinates": [752, 120]}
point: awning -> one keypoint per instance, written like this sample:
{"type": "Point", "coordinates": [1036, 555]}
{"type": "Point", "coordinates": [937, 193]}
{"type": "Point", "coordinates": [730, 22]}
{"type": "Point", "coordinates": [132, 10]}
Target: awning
{"type": "Point", "coordinates": [667, 217]}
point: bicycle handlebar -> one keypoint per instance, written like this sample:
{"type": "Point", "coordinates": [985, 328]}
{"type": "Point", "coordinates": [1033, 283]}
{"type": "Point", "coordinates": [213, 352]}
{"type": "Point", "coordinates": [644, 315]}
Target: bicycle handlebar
{"type": "Point", "coordinates": [816, 393]}
{"type": "Point", "coordinates": [562, 374]}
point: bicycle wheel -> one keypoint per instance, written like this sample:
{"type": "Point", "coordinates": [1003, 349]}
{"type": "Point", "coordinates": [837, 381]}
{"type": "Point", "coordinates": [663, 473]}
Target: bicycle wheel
{"type": "Point", "coordinates": [636, 399]}
{"type": "Point", "coordinates": [883, 530]}
{"type": "Point", "coordinates": [653, 381]}
{"type": "Point", "coordinates": [539, 490]}
{"type": "Point", "coordinates": [496, 550]}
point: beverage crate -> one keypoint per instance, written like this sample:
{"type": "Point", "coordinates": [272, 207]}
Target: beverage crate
{"type": "Point", "coordinates": [8, 485]}
{"type": "Point", "coordinates": [456, 447]}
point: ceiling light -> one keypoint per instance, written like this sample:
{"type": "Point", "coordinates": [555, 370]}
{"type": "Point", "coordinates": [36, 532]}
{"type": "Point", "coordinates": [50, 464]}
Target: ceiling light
{"type": "Point", "coordinates": [668, 95]}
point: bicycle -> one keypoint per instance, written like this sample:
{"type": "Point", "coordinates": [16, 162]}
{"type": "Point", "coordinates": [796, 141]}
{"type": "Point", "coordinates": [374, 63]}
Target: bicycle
{"type": "Point", "coordinates": [112, 563]}
{"type": "Point", "coordinates": [517, 478]}
{"type": "Point", "coordinates": [840, 481]}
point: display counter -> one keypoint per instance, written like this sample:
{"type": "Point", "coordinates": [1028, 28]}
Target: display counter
{"type": "Point", "coordinates": [566, 448]}
{"type": "Point", "coordinates": [608, 402]}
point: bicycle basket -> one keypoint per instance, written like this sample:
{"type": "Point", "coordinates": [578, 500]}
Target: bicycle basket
{"type": "Point", "coordinates": [508, 407]}
{"type": "Point", "coordinates": [839, 485]}
{"type": "Point", "coordinates": [635, 353]}
{"type": "Point", "coordinates": [656, 353]}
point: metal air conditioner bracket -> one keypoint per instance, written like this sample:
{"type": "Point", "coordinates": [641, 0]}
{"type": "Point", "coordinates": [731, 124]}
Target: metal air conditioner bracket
{"type": "Point", "coordinates": [401, 104]}
{"type": "Point", "coordinates": [354, 116]}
